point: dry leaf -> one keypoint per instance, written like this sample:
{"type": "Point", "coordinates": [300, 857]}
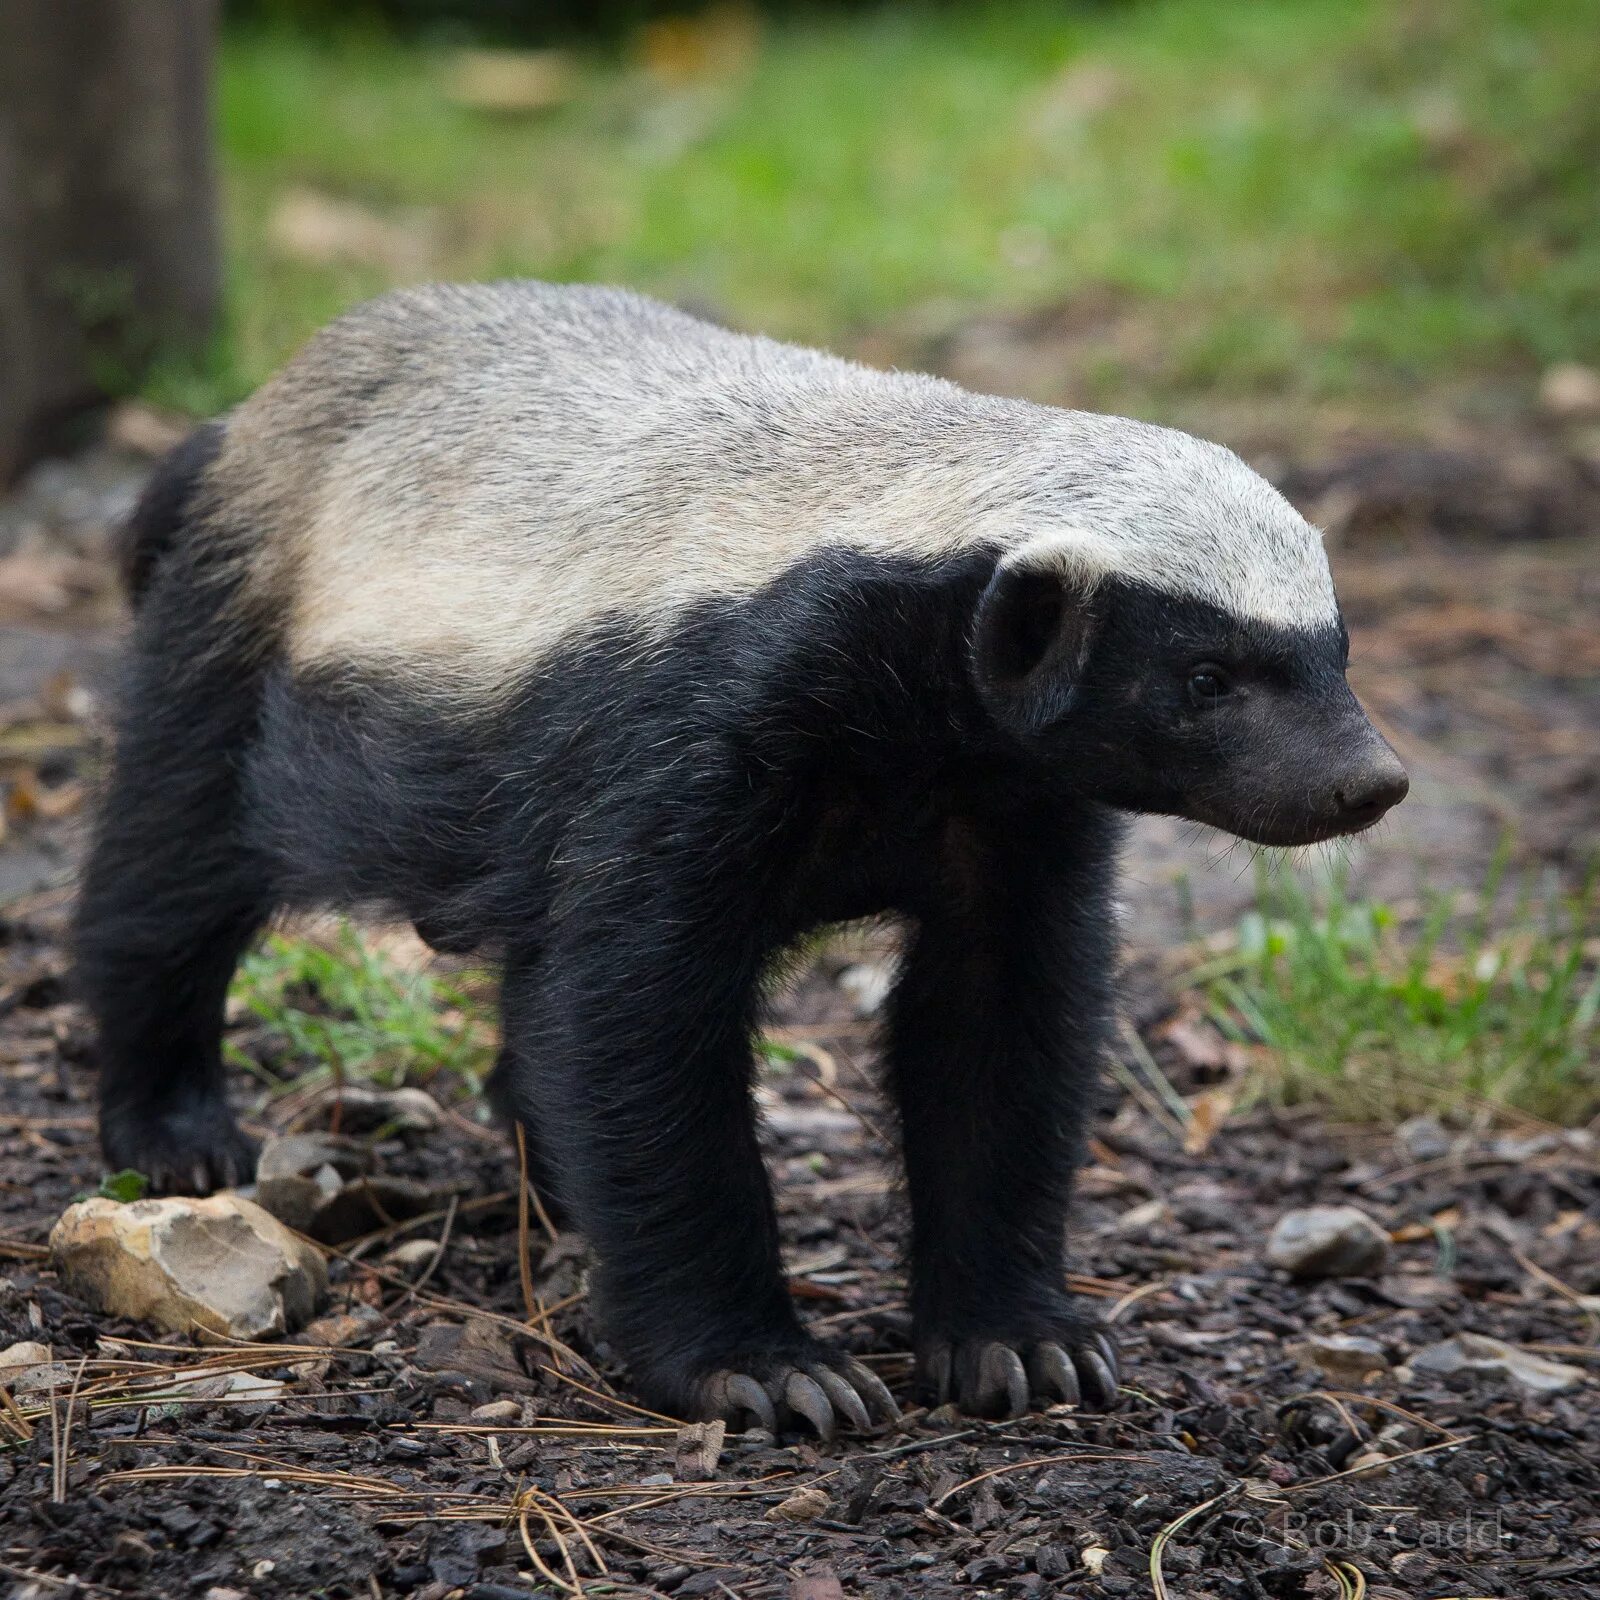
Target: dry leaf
{"type": "Point", "coordinates": [699, 1449]}
{"type": "Point", "coordinates": [804, 1505]}
{"type": "Point", "coordinates": [1208, 1110]}
{"type": "Point", "coordinates": [721, 41]}
{"type": "Point", "coordinates": [30, 799]}
{"type": "Point", "coordinates": [325, 230]}
{"type": "Point", "coordinates": [511, 82]}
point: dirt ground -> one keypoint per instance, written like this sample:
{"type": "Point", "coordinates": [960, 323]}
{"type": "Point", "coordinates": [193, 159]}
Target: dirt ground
{"type": "Point", "coordinates": [1246, 1459]}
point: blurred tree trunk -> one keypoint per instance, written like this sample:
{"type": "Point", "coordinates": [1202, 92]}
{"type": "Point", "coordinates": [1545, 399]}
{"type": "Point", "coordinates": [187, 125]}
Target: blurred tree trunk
{"type": "Point", "coordinates": [108, 231]}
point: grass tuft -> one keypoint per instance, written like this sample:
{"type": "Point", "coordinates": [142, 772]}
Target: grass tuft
{"type": "Point", "coordinates": [1457, 1012]}
{"type": "Point", "coordinates": [343, 1007]}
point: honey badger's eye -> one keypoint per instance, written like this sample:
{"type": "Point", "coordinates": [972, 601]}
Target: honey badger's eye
{"type": "Point", "coordinates": [1208, 683]}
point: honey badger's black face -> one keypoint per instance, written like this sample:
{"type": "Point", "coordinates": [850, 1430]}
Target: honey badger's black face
{"type": "Point", "coordinates": [1168, 704]}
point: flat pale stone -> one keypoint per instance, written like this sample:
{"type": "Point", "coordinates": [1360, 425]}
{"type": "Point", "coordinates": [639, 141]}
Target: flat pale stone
{"type": "Point", "coordinates": [29, 1368]}
{"type": "Point", "coordinates": [221, 1265]}
{"type": "Point", "coordinates": [1476, 1352]}
{"type": "Point", "coordinates": [1328, 1242]}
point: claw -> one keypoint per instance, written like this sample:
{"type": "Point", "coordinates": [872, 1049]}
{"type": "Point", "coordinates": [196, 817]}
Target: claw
{"type": "Point", "coordinates": [733, 1395]}
{"type": "Point", "coordinates": [1098, 1379]}
{"type": "Point", "coordinates": [873, 1390]}
{"type": "Point", "coordinates": [939, 1369]}
{"type": "Point", "coordinates": [846, 1402]}
{"type": "Point", "coordinates": [1050, 1372]}
{"type": "Point", "coordinates": [804, 1395]}
{"type": "Point", "coordinates": [1001, 1382]}
{"type": "Point", "coordinates": [1107, 1346]}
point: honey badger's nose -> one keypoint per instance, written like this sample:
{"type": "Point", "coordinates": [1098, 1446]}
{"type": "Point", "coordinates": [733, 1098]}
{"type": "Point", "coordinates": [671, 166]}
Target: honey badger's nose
{"type": "Point", "coordinates": [1369, 792]}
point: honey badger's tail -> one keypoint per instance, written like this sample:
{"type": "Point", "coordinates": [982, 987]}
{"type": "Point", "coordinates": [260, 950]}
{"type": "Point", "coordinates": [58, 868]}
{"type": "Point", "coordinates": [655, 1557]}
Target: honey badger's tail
{"type": "Point", "coordinates": [154, 524]}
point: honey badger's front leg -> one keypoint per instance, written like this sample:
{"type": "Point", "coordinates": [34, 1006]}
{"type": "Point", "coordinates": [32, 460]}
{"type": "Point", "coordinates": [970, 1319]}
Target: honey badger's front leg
{"type": "Point", "coordinates": [995, 1030]}
{"type": "Point", "coordinates": [630, 1042]}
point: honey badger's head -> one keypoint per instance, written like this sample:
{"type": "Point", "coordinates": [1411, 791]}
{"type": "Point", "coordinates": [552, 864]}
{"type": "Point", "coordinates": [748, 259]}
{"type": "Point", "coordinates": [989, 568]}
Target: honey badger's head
{"type": "Point", "coordinates": [1171, 633]}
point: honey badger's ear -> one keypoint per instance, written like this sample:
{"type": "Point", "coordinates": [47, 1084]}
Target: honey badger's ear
{"type": "Point", "coordinates": [1035, 624]}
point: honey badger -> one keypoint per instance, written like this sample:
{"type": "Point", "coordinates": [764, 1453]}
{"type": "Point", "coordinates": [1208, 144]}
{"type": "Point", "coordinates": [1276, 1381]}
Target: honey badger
{"type": "Point", "coordinates": [627, 649]}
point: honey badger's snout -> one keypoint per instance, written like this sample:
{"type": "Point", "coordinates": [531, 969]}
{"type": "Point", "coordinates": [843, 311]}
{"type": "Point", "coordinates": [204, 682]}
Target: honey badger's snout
{"type": "Point", "coordinates": [1320, 779]}
{"type": "Point", "coordinates": [1369, 787]}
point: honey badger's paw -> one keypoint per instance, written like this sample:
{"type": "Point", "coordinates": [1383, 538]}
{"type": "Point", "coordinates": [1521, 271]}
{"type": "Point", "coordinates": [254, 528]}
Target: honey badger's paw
{"type": "Point", "coordinates": [194, 1147]}
{"type": "Point", "coordinates": [989, 1376]}
{"type": "Point", "coordinates": [811, 1384]}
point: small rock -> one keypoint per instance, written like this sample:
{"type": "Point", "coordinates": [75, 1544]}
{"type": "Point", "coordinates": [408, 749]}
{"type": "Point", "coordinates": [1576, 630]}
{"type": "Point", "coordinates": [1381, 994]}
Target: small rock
{"type": "Point", "coordinates": [657, 1480]}
{"type": "Point", "coordinates": [804, 1505]}
{"type": "Point", "coordinates": [868, 984]}
{"type": "Point", "coordinates": [1475, 1352]}
{"type": "Point", "coordinates": [221, 1264]}
{"type": "Point", "coordinates": [296, 1198]}
{"type": "Point", "coordinates": [29, 1368]}
{"type": "Point", "coordinates": [1328, 1242]}
{"type": "Point", "coordinates": [301, 1154]}
{"type": "Point", "coordinates": [501, 1413]}
{"type": "Point", "coordinates": [1571, 392]}
{"type": "Point", "coordinates": [1423, 1138]}
{"type": "Point", "coordinates": [1144, 1215]}
{"type": "Point", "coordinates": [341, 1329]}
{"type": "Point", "coordinates": [1417, 1290]}
{"type": "Point", "coordinates": [320, 1185]}
{"type": "Point", "coordinates": [1344, 1356]}
{"type": "Point", "coordinates": [414, 1255]}
{"type": "Point", "coordinates": [821, 1128]}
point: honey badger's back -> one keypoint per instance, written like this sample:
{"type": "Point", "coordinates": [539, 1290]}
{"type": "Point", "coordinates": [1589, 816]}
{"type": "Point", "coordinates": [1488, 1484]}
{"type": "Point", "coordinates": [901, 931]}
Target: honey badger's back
{"type": "Point", "coordinates": [455, 478]}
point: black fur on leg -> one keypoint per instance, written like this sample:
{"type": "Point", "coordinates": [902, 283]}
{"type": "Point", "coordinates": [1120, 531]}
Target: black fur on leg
{"type": "Point", "coordinates": [537, 1145]}
{"type": "Point", "coordinates": [992, 1089]}
{"type": "Point", "coordinates": [632, 1036]}
{"type": "Point", "coordinates": [172, 892]}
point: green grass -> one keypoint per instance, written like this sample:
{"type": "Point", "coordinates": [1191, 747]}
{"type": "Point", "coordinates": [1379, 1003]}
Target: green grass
{"type": "Point", "coordinates": [1482, 1004]}
{"type": "Point", "coordinates": [1309, 197]}
{"type": "Point", "coordinates": [1378, 1017]}
{"type": "Point", "coordinates": [343, 1008]}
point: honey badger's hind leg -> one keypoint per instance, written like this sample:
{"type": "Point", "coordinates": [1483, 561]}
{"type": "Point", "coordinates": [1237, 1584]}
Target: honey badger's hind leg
{"type": "Point", "coordinates": [172, 894]}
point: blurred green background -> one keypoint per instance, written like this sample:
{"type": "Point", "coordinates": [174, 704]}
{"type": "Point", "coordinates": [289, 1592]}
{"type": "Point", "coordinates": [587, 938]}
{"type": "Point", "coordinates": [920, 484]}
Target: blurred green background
{"type": "Point", "coordinates": [1327, 206]}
